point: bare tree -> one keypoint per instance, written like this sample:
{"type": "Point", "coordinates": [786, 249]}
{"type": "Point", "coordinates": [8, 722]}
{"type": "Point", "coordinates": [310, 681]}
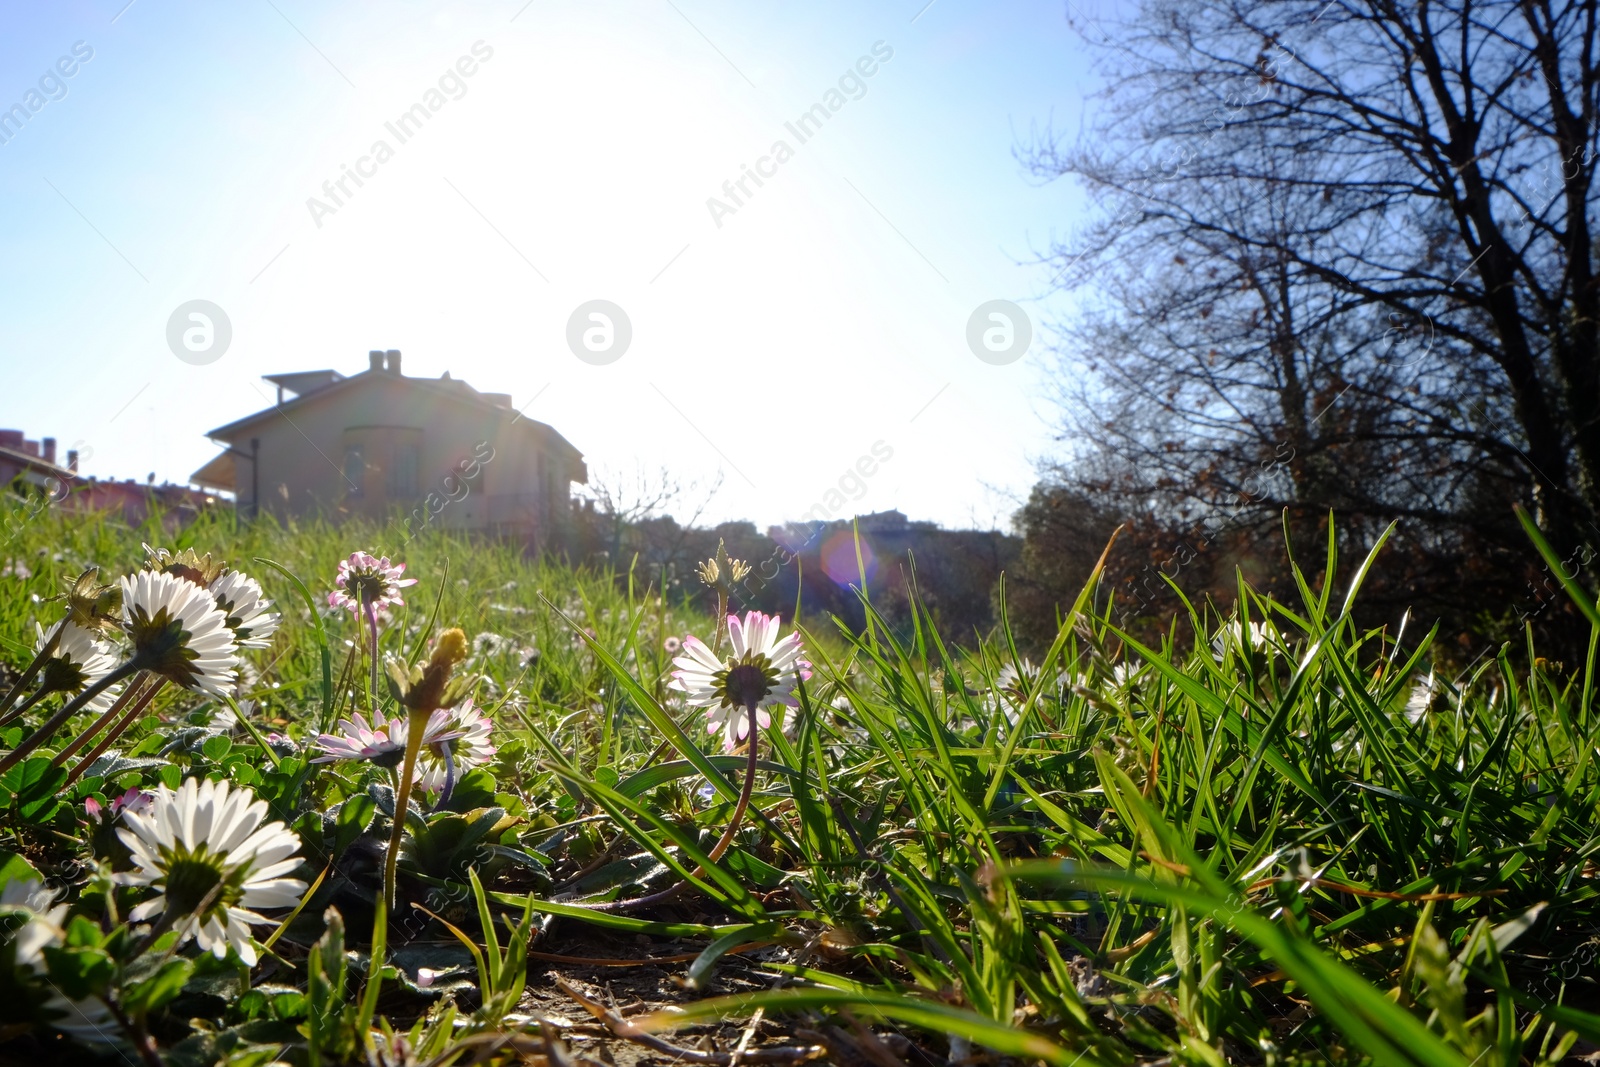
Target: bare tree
{"type": "Point", "coordinates": [625, 500]}
{"type": "Point", "coordinates": [1346, 259]}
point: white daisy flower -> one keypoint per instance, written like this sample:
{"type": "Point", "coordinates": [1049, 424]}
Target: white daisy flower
{"type": "Point", "coordinates": [1420, 702]}
{"type": "Point", "coordinates": [178, 632]}
{"type": "Point", "coordinates": [247, 680]}
{"type": "Point", "coordinates": [206, 848]}
{"type": "Point", "coordinates": [41, 926]}
{"type": "Point", "coordinates": [80, 659]}
{"type": "Point", "coordinates": [761, 670]}
{"type": "Point", "coordinates": [356, 738]}
{"type": "Point", "coordinates": [1012, 689]}
{"type": "Point", "coordinates": [488, 645]}
{"type": "Point", "coordinates": [382, 740]}
{"type": "Point", "coordinates": [462, 743]}
{"type": "Point", "coordinates": [1012, 680]}
{"type": "Point", "coordinates": [1263, 637]}
{"type": "Point", "coordinates": [33, 901]}
{"type": "Point", "coordinates": [225, 719]}
{"type": "Point", "coordinates": [241, 600]}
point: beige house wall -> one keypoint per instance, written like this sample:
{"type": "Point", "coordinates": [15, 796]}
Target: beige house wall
{"type": "Point", "coordinates": [475, 467]}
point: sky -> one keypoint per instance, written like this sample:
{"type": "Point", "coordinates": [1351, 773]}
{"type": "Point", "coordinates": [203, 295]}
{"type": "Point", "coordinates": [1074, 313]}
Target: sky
{"type": "Point", "coordinates": [571, 152]}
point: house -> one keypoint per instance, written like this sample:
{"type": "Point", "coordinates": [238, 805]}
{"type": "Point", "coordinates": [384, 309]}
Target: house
{"type": "Point", "coordinates": [432, 451]}
{"type": "Point", "coordinates": [30, 469]}
{"type": "Point", "coordinates": [134, 502]}
{"type": "Point", "coordinates": [28, 464]}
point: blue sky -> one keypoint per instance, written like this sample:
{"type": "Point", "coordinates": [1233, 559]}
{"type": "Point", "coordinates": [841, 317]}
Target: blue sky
{"type": "Point", "coordinates": [776, 344]}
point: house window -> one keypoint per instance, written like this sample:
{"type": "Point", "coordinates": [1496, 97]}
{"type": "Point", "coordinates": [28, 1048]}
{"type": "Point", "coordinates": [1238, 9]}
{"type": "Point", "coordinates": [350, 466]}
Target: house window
{"type": "Point", "coordinates": [403, 471]}
{"type": "Point", "coordinates": [355, 471]}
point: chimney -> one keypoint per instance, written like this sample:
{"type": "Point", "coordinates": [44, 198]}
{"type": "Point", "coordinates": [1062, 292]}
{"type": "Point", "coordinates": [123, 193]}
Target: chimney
{"type": "Point", "coordinates": [72, 460]}
{"type": "Point", "coordinates": [11, 439]}
{"type": "Point", "coordinates": [375, 360]}
{"type": "Point", "coordinates": [394, 360]}
{"type": "Point", "coordinates": [49, 450]}
{"type": "Point", "coordinates": [31, 447]}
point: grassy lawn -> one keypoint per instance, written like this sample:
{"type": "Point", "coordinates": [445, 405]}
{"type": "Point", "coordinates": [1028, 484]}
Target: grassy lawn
{"type": "Point", "coordinates": [1276, 839]}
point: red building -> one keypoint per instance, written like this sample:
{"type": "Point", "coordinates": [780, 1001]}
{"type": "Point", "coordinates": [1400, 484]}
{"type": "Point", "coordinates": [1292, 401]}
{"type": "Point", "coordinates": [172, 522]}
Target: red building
{"type": "Point", "coordinates": [30, 469]}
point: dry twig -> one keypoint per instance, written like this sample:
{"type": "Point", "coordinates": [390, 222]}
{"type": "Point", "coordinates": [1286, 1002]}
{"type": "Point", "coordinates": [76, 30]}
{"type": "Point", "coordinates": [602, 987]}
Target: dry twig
{"type": "Point", "coordinates": [629, 1032]}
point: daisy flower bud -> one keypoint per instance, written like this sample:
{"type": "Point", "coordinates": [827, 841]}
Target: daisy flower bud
{"type": "Point", "coordinates": [186, 563]}
{"type": "Point", "coordinates": [93, 606]}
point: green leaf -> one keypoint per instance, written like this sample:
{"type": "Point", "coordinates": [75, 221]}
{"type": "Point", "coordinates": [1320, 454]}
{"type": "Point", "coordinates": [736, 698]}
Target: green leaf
{"type": "Point", "coordinates": [700, 969]}
{"type": "Point", "coordinates": [652, 709]}
{"type": "Point", "coordinates": [327, 971]}
{"type": "Point", "coordinates": [610, 920]}
{"type": "Point", "coordinates": [641, 782]}
{"type": "Point", "coordinates": [159, 988]}
{"type": "Point", "coordinates": [929, 1014]}
{"type": "Point", "coordinates": [1584, 602]}
{"type": "Point", "coordinates": [355, 815]}
{"type": "Point", "coordinates": [79, 972]}
{"type": "Point", "coordinates": [758, 871]}
{"type": "Point", "coordinates": [34, 786]}
{"type": "Point", "coordinates": [326, 720]}
{"type": "Point", "coordinates": [476, 789]}
{"type": "Point", "coordinates": [1383, 1029]}
{"type": "Point", "coordinates": [13, 868]}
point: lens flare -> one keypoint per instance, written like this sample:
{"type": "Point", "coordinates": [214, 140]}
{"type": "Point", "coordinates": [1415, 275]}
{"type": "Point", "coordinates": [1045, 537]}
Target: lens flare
{"type": "Point", "coordinates": [839, 559]}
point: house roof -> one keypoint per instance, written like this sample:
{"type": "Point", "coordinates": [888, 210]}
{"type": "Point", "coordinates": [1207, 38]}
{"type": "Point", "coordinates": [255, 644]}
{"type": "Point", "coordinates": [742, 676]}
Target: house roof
{"type": "Point", "coordinates": [299, 383]}
{"type": "Point", "coordinates": [37, 466]}
{"type": "Point", "coordinates": [444, 387]}
{"type": "Point", "coordinates": [220, 473]}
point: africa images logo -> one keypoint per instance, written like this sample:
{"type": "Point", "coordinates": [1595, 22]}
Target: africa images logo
{"type": "Point", "coordinates": [403, 128]}
{"type": "Point", "coordinates": [52, 86]}
{"type": "Point", "coordinates": [852, 85]}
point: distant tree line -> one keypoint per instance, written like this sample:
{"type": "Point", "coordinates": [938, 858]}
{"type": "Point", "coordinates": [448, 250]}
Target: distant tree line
{"type": "Point", "coordinates": [816, 566]}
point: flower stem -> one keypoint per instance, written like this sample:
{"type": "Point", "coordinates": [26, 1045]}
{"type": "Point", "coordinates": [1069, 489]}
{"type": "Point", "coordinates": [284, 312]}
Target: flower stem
{"type": "Point", "coordinates": [115, 732]}
{"type": "Point", "coordinates": [745, 791]}
{"type": "Point", "coordinates": [372, 652]}
{"type": "Point", "coordinates": [99, 724]}
{"type": "Point", "coordinates": [56, 721]}
{"type": "Point", "coordinates": [159, 927]}
{"type": "Point", "coordinates": [22, 708]}
{"type": "Point", "coordinates": [255, 735]}
{"type": "Point", "coordinates": [137, 1036]}
{"type": "Point", "coordinates": [739, 809]}
{"type": "Point", "coordinates": [32, 671]}
{"type": "Point", "coordinates": [722, 620]}
{"type": "Point", "coordinates": [402, 801]}
{"type": "Point", "coordinates": [449, 776]}
{"type": "Point", "coordinates": [375, 963]}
